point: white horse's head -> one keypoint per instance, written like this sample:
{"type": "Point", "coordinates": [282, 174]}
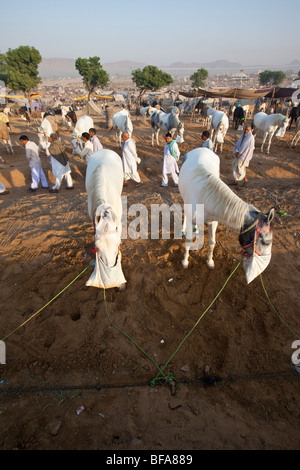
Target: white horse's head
{"type": "Point", "coordinates": [180, 130]}
{"type": "Point", "coordinates": [150, 110]}
{"type": "Point", "coordinates": [175, 111]}
{"type": "Point", "coordinates": [108, 270]}
{"type": "Point", "coordinates": [43, 139]}
{"type": "Point", "coordinates": [67, 121]}
{"type": "Point", "coordinates": [256, 241]}
{"type": "Point", "coordinates": [76, 144]}
{"type": "Point", "coordinates": [283, 127]}
{"type": "Point", "coordinates": [220, 134]}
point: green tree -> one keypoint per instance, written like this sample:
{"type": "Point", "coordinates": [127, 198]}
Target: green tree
{"type": "Point", "coordinates": [198, 78]}
{"type": "Point", "coordinates": [150, 79]}
{"type": "Point", "coordinates": [22, 66]}
{"type": "Point", "coordinates": [265, 77]}
{"type": "Point", "coordinates": [92, 72]}
{"type": "Point", "coordinates": [3, 69]}
{"type": "Point", "coordinates": [269, 77]}
{"type": "Point", "coordinates": [278, 77]}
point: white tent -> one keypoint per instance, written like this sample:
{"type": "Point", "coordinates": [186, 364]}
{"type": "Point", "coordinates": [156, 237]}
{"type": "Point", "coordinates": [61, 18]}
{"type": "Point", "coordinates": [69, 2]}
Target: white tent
{"type": "Point", "coordinates": [119, 97]}
{"type": "Point", "coordinates": [92, 109]}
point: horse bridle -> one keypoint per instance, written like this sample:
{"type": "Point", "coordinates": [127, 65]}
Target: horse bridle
{"type": "Point", "coordinates": [252, 244]}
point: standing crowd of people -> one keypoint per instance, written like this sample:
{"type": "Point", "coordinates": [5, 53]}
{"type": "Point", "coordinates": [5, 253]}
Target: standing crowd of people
{"type": "Point", "coordinates": [242, 153]}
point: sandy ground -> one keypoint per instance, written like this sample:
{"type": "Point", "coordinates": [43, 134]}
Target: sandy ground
{"type": "Point", "coordinates": [71, 354]}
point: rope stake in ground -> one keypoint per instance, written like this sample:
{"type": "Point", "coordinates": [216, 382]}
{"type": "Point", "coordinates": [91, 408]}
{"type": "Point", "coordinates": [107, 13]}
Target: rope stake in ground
{"type": "Point", "coordinates": [48, 303]}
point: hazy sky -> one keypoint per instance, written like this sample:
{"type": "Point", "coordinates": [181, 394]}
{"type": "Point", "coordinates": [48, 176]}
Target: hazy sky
{"type": "Point", "coordinates": [156, 32]}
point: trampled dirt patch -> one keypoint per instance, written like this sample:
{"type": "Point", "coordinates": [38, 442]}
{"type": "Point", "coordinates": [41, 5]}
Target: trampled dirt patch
{"type": "Point", "coordinates": [70, 354]}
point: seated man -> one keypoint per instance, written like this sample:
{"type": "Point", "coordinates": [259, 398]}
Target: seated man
{"type": "Point", "coordinates": [88, 148]}
{"type": "Point", "coordinates": [207, 142]}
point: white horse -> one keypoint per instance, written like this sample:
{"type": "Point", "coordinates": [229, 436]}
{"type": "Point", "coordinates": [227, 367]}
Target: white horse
{"type": "Point", "coordinates": [122, 123]}
{"type": "Point", "coordinates": [200, 183]}
{"type": "Point", "coordinates": [84, 124]}
{"type": "Point", "coordinates": [104, 184]}
{"type": "Point", "coordinates": [207, 113]}
{"type": "Point", "coordinates": [297, 134]}
{"type": "Point", "coordinates": [48, 126]}
{"type": "Point", "coordinates": [270, 124]}
{"type": "Point", "coordinates": [64, 111]}
{"type": "Point", "coordinates": [167, 121]}
{"type": "Point", "coordinates": [218, 129]}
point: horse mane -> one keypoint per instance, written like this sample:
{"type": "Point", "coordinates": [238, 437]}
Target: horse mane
{"type": "Point", "coordinates": [223, 202]}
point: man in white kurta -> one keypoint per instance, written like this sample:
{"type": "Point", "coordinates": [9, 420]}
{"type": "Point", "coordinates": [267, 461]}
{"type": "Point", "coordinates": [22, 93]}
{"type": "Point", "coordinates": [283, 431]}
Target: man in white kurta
{"type": "Point", "coordinates": [88, 147]}
{"type": "Point", "coordinates": [35, 164]}
{"type": "Point", "coordinates": [95, 141]}
{"type": "Point", "coordinates": [59, 163]}
{"type": "Point", "coordinates": [170, 166]}
{"type": "Point", "coordinates": [243, 153]}
{"type": "Point", "coordinates": [130, 159]}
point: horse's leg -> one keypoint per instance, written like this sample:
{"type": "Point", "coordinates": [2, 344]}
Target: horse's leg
{"type": "Point", "coordinates": [188, 241]}
{"type": "Point", "coordinates": [118, 140]}
{"type": "Point", "coordinates": [8, 146]}
{"type": "Point", "coordinates": [157, 132]}
{"type": "Point", "coordinates": [295, 139]}
{"type": "Point", "coordinates": [11, 148]}
{"type": "Point", "coordinates": [185, 261]}
{"type": "Point", "coordinates": [269, 142]}
{"type": "Point", "coordinates": [183, 230]}
{"type": "Point", "coordinates": [263, 141]}
{"type": "Point", "coordinates": [212, 227]}
{"type": "Point", "coordinates": [212, 134]}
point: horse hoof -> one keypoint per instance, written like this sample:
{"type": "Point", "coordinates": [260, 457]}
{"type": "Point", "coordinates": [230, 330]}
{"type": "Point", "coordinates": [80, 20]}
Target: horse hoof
{"type": "Point", "coordinates": [122, 287]}
{"type": "Point", "coordinates": [185, 264]}
{"type": "Point", "coordinates": [210, 264]}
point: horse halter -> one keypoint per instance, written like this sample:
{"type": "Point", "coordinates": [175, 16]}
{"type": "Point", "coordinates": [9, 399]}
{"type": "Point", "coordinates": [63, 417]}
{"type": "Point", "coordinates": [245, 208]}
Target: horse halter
{"type": "Point", "coordinates": [252, 244]}
{"type": "Point", "coordinates": [221, 127]}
